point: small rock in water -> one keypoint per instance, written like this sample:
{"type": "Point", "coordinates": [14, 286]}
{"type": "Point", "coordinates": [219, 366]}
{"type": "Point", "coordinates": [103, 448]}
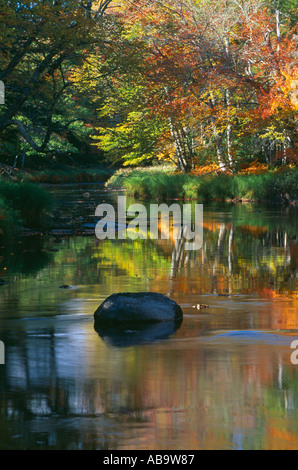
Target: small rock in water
{"type": "Point", "coordinates": [200, 306]}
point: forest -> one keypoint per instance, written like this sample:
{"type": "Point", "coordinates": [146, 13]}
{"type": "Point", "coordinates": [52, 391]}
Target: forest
{"type": "Point", "coordinates": [135, 83]}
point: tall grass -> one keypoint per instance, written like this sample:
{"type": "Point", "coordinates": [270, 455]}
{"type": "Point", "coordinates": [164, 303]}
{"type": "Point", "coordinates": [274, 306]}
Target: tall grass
{"type": "Point", "coordinates": [160, 185]}
{"type": "Point", "coordinates": [116, 180]}
{"type": "Point", "coordinates": [272, 186]}
{"type": "Point", "coordinates": [24, 203]}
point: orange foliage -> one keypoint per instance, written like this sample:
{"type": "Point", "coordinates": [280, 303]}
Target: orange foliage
{"type": "Point", "coordinates": [253, 230]}
{"type": "Point", "coordinates": [277, 438]}
{"type": "Point", "coordinates": [197, 85]}
{"type": "Point", "coordinates": [213, 226]}
{"type": "Point", "coordinates": [254, 168]}
{"type": "Point", "coordinates": [204, 170]}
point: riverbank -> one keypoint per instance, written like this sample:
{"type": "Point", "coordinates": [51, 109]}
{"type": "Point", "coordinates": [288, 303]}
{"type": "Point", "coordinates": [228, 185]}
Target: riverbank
{"type": "Point", "coordinates": [273, 186]}
{"type": "Point", "coordinates": [27, 207]}
{"type": "Point", "coordinates": [64, 176]}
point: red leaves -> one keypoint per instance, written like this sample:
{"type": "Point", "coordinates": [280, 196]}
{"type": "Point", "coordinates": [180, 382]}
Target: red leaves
{"type": "Point", "coordinates": [217, 71]}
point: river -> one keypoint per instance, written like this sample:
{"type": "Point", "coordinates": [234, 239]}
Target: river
{"type": "Point", "coordinates": [224, 379]}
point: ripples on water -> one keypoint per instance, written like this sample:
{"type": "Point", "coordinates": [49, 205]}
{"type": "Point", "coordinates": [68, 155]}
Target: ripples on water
{"type": "Point", "coordinates": [221, 380]}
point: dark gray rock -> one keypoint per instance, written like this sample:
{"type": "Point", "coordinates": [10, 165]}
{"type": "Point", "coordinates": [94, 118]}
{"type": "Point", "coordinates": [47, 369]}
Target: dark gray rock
{"type": "Point", "coordinates": [147, 307]}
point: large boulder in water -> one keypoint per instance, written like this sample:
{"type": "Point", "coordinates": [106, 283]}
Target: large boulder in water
{"type": "Point", "coordinates": [127, 308]}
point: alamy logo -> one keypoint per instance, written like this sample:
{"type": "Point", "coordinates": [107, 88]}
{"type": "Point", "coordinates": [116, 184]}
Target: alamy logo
{"type": "Point", "coordinates": [294, 355]}
{"type": "Point", "coordinates": [2, 353]}
{"type": "Point", "coordinates": [162, 221]}
{"type": "Point", "coordinates": [2, 93]}
{"type": "Point", "coordinates": [294, 94]}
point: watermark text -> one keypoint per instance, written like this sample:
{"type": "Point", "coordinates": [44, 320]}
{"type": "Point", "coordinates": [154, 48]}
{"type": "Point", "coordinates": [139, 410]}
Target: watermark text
{"type": "Point", "coordinates": [2, 93]}
{"type": "Point", "coordinates": [294, 355]}
{"type": "Point", "coordinates": [2, 353]}
{"type": "Point", "coordinates": [177, 222]}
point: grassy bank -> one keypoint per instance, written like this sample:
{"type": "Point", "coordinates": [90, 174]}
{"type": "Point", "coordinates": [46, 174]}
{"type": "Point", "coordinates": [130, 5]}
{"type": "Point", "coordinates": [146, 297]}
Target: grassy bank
{"type": "Point", "coordinates": [272, 186]}
{"type": "Point", "coordinates": [22, 204]}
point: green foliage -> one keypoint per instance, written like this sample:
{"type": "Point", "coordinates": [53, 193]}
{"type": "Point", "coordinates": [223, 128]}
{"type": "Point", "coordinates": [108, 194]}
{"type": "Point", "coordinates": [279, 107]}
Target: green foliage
{"type": "Point", "coordinates": [129, 133]}
{"type": "Point", "coordinates": [288, 9]}
{"type": "Point", "coordinates": [8, 220]}
{"type": "Point", "coordinates": [42, 44]}
{"type": "Point", "coordinates": [272, 186]}
{"type": "Point", "coordinates": [287, 184]}
{"type": "Point", "coordinates": [132, 142]}
{"type": "Point", "coordinates": [27, 202]}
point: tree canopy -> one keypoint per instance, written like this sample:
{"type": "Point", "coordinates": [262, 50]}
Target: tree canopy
{"type": "Point", "coordinates": [188, 81]}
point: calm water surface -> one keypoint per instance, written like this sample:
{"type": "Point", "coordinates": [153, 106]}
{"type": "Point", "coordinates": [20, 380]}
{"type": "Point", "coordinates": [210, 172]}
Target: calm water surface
{"type": "Point", "coordinates": [222, 380]}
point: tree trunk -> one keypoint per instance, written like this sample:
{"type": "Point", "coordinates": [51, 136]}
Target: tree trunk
{"type": "Point", "coordinates": [219, 148]}
{"type": "Point", "coordinates": [230, 157]}
{"type": "Point", "coordinates": [277, 28]}
{"type": "Point", "coordinates": [25, 134]}
{"type": "Point", "coordinates": [229, 131]}
{"type": "Point", "coordinates": [218, 138]}
{"type": "Point", "coordinates": [182, 155]}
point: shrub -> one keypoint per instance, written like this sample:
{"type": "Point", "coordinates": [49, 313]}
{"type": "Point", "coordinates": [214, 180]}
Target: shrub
{"type": "Point", "coordinates": [286, 184]}
{"type": "Point", "coordinates": [8, 220]}
{"type": "Point", "coordinates": [29, 202]}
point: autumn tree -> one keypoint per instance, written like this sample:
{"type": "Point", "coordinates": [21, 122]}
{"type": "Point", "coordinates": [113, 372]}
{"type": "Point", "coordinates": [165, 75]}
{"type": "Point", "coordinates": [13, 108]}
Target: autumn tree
{"type": "Point", "coordinates": [217, 76]}
{"type": "Point", "coordinates": [41, 43]}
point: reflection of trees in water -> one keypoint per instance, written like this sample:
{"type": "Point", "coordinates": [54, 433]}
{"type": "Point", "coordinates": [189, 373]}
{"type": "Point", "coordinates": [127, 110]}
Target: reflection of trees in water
{"type": "Point", "coordinates": [232, 252]}
{"type": "Point", "coordinates": [39, 404]}
{"type": "Point", "coordinates": [48, 396]}
{"type": "Point", "coordinates": [159, 394]}
{"type": "Point", "coordinates": [241, 255]}
{"type": "Point", "coordinates": [25, 256]}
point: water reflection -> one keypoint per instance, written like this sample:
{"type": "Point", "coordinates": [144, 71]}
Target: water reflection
{"type": "Point", "coordinates": [222, 379]}
{"type": "Point", "coordinates": [62, 390]}
{"type": "Point", "coordinates": [137, 334]}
